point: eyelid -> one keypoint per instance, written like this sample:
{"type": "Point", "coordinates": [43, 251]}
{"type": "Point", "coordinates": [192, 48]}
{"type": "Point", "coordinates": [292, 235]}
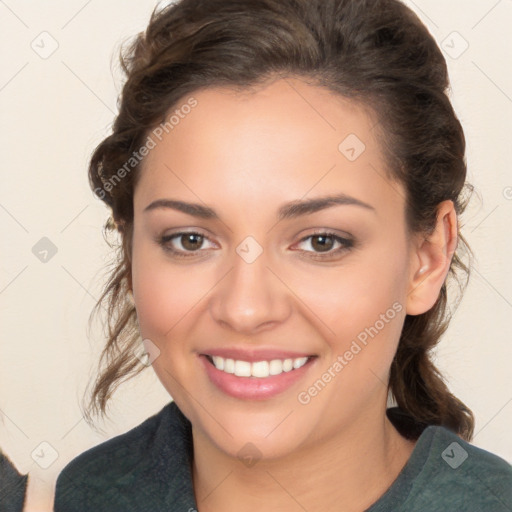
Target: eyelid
{"type": "Point", "coordinates": [329, 232]}
{"type": "Point", "coordinates": [168, 237]}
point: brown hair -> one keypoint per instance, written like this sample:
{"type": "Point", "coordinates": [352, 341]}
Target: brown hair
{"type": "Point", "coordinates": [376, 52]}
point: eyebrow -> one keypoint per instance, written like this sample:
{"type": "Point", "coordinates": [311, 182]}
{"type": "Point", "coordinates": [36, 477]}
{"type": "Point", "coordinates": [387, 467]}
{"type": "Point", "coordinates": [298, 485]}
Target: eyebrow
{"type": "Point", "coordinates": [289, 210]}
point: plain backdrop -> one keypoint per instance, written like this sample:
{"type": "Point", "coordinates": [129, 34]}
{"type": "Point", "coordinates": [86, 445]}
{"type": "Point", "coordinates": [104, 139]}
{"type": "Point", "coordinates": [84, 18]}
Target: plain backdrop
{"type": "Point", "coordinates": [59, 80]}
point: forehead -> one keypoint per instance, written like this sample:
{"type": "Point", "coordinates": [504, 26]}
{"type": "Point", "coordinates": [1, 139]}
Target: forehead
{"type": "Point", "coordinates": [278, 142]}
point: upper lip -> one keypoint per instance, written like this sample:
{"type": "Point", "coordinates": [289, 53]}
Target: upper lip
{"type": "Point", "coordinates": [242, 354]}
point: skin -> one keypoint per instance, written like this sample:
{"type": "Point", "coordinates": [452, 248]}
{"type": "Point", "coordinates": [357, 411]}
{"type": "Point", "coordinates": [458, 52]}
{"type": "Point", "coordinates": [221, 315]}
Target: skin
{"type": "Point", "coordinates": [244, 155]}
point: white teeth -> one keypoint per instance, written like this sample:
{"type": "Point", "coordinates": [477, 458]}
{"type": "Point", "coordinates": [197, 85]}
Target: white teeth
{"type": "Point", "coordinates": [300, 361]}
{"type": "Point", "coordinates": [242, 369]}
{"type": "Point", "coordinates": [229, 365]}
{"type": "Point", "coordinates": [259, 369]}
{"type": "Point", "coordinates": [218, 362]}
{"type": "Point", "coordinates": [276, 367]}
{"type": "Point", "coordinates": [288, 365]}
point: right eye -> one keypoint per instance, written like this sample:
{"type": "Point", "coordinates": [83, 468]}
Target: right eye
{"type": "Point", "coordinates": [187, 241]}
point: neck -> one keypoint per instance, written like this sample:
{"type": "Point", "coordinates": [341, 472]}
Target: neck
{"type": "Point", "coordinates": [348, 471]}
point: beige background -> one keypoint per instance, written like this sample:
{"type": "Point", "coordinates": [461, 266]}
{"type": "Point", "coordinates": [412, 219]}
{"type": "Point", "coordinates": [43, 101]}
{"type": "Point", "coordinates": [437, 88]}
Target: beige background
{"type": "Point", "coordinates": [56, 108]}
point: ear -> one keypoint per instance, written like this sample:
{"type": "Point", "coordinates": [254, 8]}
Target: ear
{"type": "Point", "coordinates": [431, 259]}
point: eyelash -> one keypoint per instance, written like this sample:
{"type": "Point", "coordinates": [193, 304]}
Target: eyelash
{"type": "Point", "coordinates": [346, 244]}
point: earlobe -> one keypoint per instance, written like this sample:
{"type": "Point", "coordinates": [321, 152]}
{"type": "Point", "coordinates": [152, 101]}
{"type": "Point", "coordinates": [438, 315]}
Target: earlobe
{"type": "Point", "coordinates": [431, 261]}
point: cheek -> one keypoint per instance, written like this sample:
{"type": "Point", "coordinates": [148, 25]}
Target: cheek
{"type": "Point", "coordinates": [350, 298]}
{"type": "Point", "coordinates": [379, 312]}
{"type": "Point", "coordinates": [167, 298]}
{"type": "Point", "coordinates": [362, 308]}
{"type": "Point", "coordinates": [164, 293]}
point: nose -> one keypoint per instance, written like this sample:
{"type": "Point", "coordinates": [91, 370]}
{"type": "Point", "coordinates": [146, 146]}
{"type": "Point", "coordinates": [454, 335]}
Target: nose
{"type": "Point", "coordinates": [251, 297]}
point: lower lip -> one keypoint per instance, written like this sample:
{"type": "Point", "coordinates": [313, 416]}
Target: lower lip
{"type": "Point", "coordinates": [253, 388]}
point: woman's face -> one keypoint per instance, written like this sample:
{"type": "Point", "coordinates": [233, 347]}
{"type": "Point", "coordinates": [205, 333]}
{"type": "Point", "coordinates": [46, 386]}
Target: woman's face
{"type": "Point", "coordinates": [265, 277]}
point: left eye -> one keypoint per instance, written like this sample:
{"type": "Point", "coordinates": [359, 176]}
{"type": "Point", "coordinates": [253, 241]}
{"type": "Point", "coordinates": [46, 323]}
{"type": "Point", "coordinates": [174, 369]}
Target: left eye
{"type": "Point", "coordinates": [324, 243]}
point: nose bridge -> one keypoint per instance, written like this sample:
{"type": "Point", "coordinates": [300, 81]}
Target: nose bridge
{"type": "Point", "coordinates": [250, 295]}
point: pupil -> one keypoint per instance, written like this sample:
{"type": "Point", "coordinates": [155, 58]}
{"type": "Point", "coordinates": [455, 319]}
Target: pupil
{"type": "Point", "coordinates": [189, 239]}
{"type": "Point", "coordinates": [323, 246]}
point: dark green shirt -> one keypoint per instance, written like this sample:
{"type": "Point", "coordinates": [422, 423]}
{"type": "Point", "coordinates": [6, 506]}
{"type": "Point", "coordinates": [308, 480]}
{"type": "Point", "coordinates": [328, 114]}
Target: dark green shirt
{"type": "Point", "coordinates": [13, 486]}
{"type": "Point", "coordinates": [148, 469]}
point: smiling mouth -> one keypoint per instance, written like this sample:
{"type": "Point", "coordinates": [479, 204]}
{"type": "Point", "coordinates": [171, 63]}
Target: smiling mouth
{"type": "Point", "coordinates": [257, 369]}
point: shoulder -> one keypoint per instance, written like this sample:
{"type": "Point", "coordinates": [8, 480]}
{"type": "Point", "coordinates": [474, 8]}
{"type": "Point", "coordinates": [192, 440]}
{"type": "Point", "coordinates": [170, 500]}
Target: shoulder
{"type": "Point", "coordinates": [460, 476]}
{"type": "Point", "coordinates": [12, 486]}
{"type": "Point", "coordinates": [128, 470]}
